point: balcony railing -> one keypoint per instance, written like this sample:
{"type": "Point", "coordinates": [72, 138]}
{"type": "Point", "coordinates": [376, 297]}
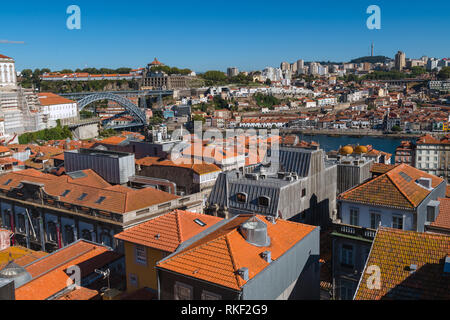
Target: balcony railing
{"type": "Point", "coordinates": [356, 231]}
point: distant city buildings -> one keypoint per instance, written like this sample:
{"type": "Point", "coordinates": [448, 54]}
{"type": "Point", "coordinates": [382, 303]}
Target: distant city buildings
{"type": "Point", "coordinates": [400, 61]}
{"type": "Point", "coordinates": [232, 72]}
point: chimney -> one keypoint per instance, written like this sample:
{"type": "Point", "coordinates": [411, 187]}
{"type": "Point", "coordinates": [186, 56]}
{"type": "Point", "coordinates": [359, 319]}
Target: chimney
{"type": "Point", "coordinates": [243, 272]}
{"type": "Point", "coordinates": [267, 256]}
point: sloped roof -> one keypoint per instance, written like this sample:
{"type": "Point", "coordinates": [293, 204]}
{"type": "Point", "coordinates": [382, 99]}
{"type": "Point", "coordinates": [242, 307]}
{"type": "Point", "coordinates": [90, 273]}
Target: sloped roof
{"type": "Point", "coordinates": [168, 231]}
{"type": "Point", "coordinates": [395, 188]}
{"type": "Point", "coordinates": [394, 251]}
{"type": "Point", "coordinates": [117, 200]}
{"type": "Point", "coordinates": [199, 168]}
{"type": "Point", "coordinates": [218, 256]}
{"type": "Point", "coordinates": [50, 99]}
{"type": "Point", "coordinates": [49, 276]}
{"type": "Point", "coordinates": [443, 218]}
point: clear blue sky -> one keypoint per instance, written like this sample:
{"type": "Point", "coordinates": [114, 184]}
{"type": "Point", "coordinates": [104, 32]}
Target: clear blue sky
{"type": "Point", "coordinates": [216, 34]}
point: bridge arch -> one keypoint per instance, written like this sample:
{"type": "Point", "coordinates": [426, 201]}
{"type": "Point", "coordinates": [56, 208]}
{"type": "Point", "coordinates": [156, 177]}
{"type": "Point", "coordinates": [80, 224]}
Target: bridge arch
{"type": "Point", "coordinates": [137, 113]}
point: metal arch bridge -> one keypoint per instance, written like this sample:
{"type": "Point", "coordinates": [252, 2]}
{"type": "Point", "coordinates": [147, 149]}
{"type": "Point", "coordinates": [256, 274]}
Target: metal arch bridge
{"type": "Point", "coordinates": [136, 112]}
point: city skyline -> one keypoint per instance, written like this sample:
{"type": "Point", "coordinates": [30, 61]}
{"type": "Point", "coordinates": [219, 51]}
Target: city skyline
{"type": "Point", "coordinates": [252, 36]}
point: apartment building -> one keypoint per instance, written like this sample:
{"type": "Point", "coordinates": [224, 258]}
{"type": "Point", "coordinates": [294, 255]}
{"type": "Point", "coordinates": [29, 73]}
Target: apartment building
{"type": "Point", "coordinates": [402, 198]}
{"type": "Point", "coordinates": [433, 156]}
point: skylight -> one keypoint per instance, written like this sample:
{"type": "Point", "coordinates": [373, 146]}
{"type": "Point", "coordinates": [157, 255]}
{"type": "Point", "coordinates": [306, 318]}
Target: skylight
{"type": "Point", "coordinates": [65, 193]}
{"type": "Point", "coordinates": [7, 182]}
{"type": "Point", "coordinates": [200, 222]}
{"type": "Point", "coordinates": [405, 176]}
{"type": "Point", "coordinates": [84, 195]}
{"type": "Point", "coordinates": [100, 200]}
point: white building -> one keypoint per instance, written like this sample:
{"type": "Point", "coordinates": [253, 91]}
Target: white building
{"type": "Point", "coordinates": [55, 107]}
{"type": "Point", "coordinates": [7, 71]}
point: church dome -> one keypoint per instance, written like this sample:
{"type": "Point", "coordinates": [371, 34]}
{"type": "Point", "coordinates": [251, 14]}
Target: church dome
{"type": "Point", "coordinates": [346, 150]}
{"type": "Point", "coordinates": [15, 272]}
{"type": "Point", "coordinates": [361, 149]}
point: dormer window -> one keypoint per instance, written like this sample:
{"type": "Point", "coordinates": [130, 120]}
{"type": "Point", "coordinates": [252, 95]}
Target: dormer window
{"type": "Point", "coordinates": [264, 201]}
{"type": "Point", "coordinates": [241, 197]}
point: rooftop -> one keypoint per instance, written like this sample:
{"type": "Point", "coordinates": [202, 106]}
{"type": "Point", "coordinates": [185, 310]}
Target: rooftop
{"type": "Point", "coordinates": [397, 253]}
{"type": "Point", "coordinates": [216, 257]}
{"type": "Point", "coordinates": [168, 231]}
{"type": "Point", "coordinates": [396, 188]}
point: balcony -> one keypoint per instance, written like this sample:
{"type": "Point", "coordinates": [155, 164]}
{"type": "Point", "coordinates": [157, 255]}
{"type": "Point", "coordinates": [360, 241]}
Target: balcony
{"type": "Point", "coordinates": [353, 231]}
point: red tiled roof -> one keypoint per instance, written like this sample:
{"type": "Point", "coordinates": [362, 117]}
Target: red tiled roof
{"type": "Point", "coordinates": [81, 293]}
{"type": "Point", "coordinates": [168, 231]}
{"type": "Point", "coordinates": [50, 99]}
{"type": "Point", "coordinates": [218, 256]}
{"type": "Point", "coordinates": [115, 200]}
{"type": "Point", "coordinates": [443, 218]}
{"type": "Point", "coordinates": [49, 276]}
{"type": "Point", "coordinates": [392, 189]}
{"type": "Point", "coordinates": [394, 251]}
{"type": "Point", "coordinates": [200, 168]}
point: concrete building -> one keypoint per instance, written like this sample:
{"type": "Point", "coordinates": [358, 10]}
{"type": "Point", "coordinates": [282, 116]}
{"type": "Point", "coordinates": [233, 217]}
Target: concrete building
{"type": "Point", "coordinates": [257, 258]}
{"type": "Point", "coordinates": [55, 107]}
{"type": "Point", "coordinates": [47, 212]}
{"type": "Point", "coordinates": [143, 250]}
{"type": "Point", "coordinates": [303, 189]}
{"type": "Point", "coordinates": [7, 72]}
{"type": "Point", "coordinates": [400, 61]}
{"type": "Point", "coordinates": [400, 198]}
{"type": "Point", "coordinates": [232, 72]}
{"type": "Point", "coordinates": [406, 153]}
{"type": "Point", "coordinates": [114, 167]}
{"type": "Point", "coordinates": [433, 156]}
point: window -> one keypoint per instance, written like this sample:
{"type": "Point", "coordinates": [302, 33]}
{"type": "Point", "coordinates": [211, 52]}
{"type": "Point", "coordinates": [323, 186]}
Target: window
{"type": "Point", "coordinates": [264, 201]}
{"type": "Point", "coordinates": [21, 223]}
{"type": "Point", "coordinates": [241, 198]}
{"type": "Point", "coordinates": [51, 231]}
{"type": "Point", "coordinates": [347, 255]}
{"type": "Point", "coordinates": [375, 219]}
{"type": "Point", "coordinates": [84, 195]}
{"type": "Point", "coordinates": [65, 193]}
{"type": "Point", "coordinates": [69, 234]}
{"type": "Point", "coordinates": [133, 280]}
{"type": "Point", "coordinates": [303, 193]}
{"type": "Point", "coordinates": [100, 200]}
{"type": "Point", "coordinates": [141, 255]}
{"type": "Point", "coordinates": [86, 235]}
{"type": "Point", "coordinates": [206, 295]}
{"type": "Point", "coordinates": [397, 222]}
{"type": "Point", "coordinates": [200, 222]}
{"type": "Point", "coordinates": [347, 290]}
{"type": "Point", "coordinates": [354, 217]}
{"type": "Point", "coordinates": [182, 291]}
{"type": "Point", "coordinates": [430, 214]}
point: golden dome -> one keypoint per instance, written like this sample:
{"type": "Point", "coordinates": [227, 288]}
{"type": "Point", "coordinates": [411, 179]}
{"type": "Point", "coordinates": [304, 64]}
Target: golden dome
{"type": "Point", "coordinates": [346, 150]}
{"type": "Point", "coordinates": [361, 149]}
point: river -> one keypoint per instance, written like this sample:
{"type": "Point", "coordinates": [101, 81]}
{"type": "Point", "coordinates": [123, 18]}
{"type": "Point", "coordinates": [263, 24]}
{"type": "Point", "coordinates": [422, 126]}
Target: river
{"type": "Point", "coordinates": [329, 143]}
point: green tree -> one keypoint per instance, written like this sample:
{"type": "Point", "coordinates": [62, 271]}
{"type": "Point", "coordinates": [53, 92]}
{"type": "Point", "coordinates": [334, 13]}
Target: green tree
{"type": "Point", "coordinates": [214, 75]}
{"type": "Point", "coordinates": [444, 74]}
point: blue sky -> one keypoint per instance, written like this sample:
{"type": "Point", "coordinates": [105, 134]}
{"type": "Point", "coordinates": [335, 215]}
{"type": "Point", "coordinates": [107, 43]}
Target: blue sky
{"type": "Point", "coordinates": [216, 34]}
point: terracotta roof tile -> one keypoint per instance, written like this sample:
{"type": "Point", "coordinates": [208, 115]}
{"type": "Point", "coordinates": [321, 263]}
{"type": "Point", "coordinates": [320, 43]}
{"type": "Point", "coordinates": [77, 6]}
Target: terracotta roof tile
{"type": "Point", "coordinates": [395, 188]}
{"type": "Point", "coordinates": [219, 255]}
{"type": "Point", "coordinates": [173, 228]}
{"type": "Point", "coordinates": [443, 218]}
{"type": "Point", "coordinates": [394, 251]}
{"type": "Point", "coordinates": [48, 273]}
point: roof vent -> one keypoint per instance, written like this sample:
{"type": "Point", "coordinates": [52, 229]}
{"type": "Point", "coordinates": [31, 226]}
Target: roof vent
{"type": "Point", "coordinates": [424, 182]}
{"type": "Point", "coordinates": [271, 219]}
{"type": "Point", "coordinates": [411, 268]}
{"type": "Point", "coordinates": [157, 236]}
{"type": "Point", "coordinates": [255, 232]}
{"type": "Point", "coordinates": [252, 176]}
{"type": "Point", "coordinates": [243, 272]}
{"type": "Point", "coordinates": [267, 256]}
